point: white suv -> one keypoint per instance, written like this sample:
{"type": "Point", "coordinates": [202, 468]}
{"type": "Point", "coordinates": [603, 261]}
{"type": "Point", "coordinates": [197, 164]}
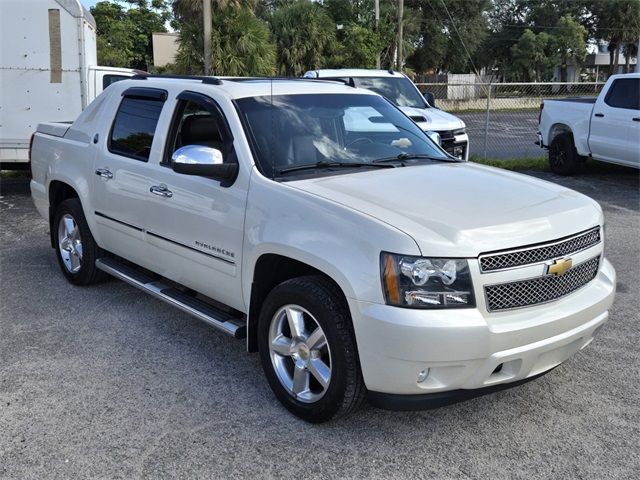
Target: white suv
{"type": "Point", "coordinates": [357, 262]}
{"type": "Point", "coordinates": [449, 131]}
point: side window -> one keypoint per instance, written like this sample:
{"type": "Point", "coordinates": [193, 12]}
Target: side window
{"type": "Point", "coordinates": [624, 93]}
{"type": "Point", "coordinates": [110, 79]}
{"type": "Point", "coordinates": [194, 124]}
{"type": "Point", "coordinates": [134, 127]}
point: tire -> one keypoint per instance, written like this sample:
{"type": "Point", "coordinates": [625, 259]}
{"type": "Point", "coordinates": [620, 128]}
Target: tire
{"type": "Point", "coordinates": [314, 303]}
{"type": "Point", "coordinates": [563, 157]}
{"type": "Point", "coordinates": [76, 249]}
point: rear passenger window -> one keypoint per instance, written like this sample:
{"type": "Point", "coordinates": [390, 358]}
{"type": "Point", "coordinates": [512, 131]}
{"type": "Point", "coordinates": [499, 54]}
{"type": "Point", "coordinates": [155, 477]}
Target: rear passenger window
{"type": "Point", "coordinates": [624, 93]}
{"type": "Point", "coordinates": [134, 127]}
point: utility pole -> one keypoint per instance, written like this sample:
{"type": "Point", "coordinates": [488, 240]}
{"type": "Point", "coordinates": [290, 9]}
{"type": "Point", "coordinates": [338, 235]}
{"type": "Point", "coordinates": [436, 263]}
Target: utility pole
{"type": "Point", "coordinates": [400, 15]}
{"type": "Point", "coordinates": [638, 57]}
{"type": "Point", "coordinates": [206, 14]}
{"type": "Point", "coordinates": [377, 4]}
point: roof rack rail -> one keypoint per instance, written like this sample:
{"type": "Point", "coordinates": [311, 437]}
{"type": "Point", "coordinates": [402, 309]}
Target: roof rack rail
{"type": "Point", "coordinates": [349, 82]}
{"type": "Point", "coordinates": [203, 79]}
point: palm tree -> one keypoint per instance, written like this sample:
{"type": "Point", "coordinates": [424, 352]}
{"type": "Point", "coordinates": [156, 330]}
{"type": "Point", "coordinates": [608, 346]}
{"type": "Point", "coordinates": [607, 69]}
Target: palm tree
{"type": "Point", "coordinates": [240, 42]}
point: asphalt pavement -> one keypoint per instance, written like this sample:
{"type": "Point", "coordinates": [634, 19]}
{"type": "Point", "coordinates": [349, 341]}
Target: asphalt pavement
{"type": "Point", "coordinates": [107, 382]}
{"type": "Point", "coordinates": [510, 134]}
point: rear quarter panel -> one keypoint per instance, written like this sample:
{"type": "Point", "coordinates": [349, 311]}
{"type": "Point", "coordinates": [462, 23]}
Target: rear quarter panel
{"type": "Point", "coordinates": [565, 115]}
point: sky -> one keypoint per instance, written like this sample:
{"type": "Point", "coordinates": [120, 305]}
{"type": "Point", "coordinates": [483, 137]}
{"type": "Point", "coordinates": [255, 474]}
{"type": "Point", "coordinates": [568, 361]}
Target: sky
{"type": "Point", "coordinates": [89, 3]}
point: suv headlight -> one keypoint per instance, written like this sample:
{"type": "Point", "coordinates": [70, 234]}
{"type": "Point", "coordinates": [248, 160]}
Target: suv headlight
{"type": "Point", "coordinates": [419, 282]}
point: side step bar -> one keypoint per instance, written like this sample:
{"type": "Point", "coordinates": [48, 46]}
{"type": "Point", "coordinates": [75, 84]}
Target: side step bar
{"type": "Point", "coordinates": [215, 317]}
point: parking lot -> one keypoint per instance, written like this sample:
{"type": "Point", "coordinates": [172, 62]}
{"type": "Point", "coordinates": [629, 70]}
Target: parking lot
{"type": "Point", "coordinates": [108, 382]}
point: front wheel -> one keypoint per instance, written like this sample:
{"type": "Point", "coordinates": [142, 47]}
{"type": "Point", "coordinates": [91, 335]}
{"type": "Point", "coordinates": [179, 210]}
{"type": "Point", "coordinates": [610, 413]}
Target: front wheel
{"type": "Point", "coordinates": [76, 249]}
{"type": "Point", "coordinates": [308, 350]}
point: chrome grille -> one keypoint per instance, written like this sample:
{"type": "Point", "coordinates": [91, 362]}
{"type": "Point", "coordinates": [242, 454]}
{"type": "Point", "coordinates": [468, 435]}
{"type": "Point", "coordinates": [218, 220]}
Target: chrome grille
{"type": "Point", "coordinates": [539, 253]}
{"type": "Point", "coordinates": [524, 293]}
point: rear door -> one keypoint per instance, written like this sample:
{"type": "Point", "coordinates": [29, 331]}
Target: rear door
{"type": "Point", "coordinates": [121, 180]}
{"type": "Point", "coordinates": [195, 224]}
{"type": "Point", "coordinates": [614, 134]}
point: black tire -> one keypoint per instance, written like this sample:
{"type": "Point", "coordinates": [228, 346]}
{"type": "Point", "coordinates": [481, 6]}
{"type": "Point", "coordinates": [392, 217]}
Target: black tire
{"type": "Point", "coordinates": [563, 156]}
{"type": "Point", "coordinates": [87, 274]}
{"type": "Point", "coordinates": [323, 300]}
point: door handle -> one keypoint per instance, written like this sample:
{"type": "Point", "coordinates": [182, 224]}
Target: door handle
{"type": "Point", "coordinates": [104, 173]}
{"type": "Point", "coordinates": [161, 191]}
{"type": "Point", "coordinates": [636, 119]}
{"type": "Point", "coordinates": [599, 115]}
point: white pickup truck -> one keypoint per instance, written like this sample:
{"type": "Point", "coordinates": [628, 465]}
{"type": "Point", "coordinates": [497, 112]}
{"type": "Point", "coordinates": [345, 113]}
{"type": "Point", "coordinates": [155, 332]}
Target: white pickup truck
{"type": "Point", "coordinates": [606, 128]}
{"type": "Point", "coordinates": [357, 263]}
{"type": "Point", "coordinates": [447, 130]}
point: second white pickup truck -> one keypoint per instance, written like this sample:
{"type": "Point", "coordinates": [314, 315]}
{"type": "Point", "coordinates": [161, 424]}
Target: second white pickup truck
{"type": "Point", "coordinates": [358, 262]}
{"type": "Point", "coordinates": [606, 128]}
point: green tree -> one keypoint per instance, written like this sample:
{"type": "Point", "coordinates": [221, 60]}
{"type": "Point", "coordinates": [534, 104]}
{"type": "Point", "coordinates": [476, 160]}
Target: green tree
{"type": "Point", "coordinates": [532, 56]}
{"type": "Point", "coordinates": [305, 37]}
{"type": "Point", "coordinates": [124, 34]}
{"type": "Point", "coordinates": [451, 31]}
{"type": "Point", "coordinates": [569, 44]}
{"type": "Point", "coordinates": [618, 23]}
{"type": "Point", "coordinates": [241, 42]}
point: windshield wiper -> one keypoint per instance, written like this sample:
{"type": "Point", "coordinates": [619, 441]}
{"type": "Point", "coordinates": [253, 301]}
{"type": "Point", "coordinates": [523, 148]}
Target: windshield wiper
{"type": "Point", "coordinates": [325, 164]}
{"type": "Point", "coordinates": [410, 156]}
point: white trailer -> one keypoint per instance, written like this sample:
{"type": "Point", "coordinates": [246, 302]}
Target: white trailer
{"type": "Point", "coordinates": [48, 69]}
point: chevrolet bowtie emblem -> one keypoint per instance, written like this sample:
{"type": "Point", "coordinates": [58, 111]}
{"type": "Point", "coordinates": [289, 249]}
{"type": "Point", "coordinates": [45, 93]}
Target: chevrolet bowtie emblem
{"type": "Point", "coordinates": [559, 267]}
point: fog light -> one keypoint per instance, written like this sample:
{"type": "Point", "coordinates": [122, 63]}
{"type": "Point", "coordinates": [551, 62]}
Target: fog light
{"type": "Point", "coordinates": [422, 376]}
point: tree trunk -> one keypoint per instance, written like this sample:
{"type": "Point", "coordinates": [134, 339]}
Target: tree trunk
{"type": "Point", "coordinates": [612, 53]}
{"type": "Point", "coordinates": [627, 58]}
{"type": "Point", "coordinates": [614, 70]}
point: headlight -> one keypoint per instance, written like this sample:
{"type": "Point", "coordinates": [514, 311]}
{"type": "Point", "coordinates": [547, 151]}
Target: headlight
{"type": "Point", "coordinates": [420, 282]}
{"type": "Point", "coordinates": [460, 131]}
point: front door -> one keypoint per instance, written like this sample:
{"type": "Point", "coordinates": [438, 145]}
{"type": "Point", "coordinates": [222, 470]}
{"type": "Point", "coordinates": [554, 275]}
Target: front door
{"type": "Point", "coordinates": [195, 224]}
{"type": "Point", "coordinates": [614, 132]}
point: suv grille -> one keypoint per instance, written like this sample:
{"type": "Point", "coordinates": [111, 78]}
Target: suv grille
{"type": "Point", "coordinates": [540, 253]}
{"type": "Point", "coordinates": [540, 290]}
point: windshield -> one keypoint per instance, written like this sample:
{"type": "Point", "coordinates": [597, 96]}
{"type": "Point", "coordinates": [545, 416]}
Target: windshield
{"type": "Point", "coordinates": [293, 130]}
{"type": "Point", "coordinates": [398, 90]}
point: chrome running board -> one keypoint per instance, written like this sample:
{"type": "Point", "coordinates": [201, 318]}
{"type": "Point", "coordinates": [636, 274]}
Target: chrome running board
{"type": "Point", "coordinates": [216, 317]}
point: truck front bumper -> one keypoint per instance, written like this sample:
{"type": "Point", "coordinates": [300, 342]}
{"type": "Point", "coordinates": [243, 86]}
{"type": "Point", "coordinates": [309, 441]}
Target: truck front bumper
{"type": "Point", "coordinates": [419, 352]}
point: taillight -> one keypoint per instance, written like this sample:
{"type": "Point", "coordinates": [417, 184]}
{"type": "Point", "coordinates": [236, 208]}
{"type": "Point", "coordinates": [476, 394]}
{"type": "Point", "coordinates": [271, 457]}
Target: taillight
{"type": "Point", "coordinates": [540, 112]}
{"type": "Point", "coordinates": [31, 144]}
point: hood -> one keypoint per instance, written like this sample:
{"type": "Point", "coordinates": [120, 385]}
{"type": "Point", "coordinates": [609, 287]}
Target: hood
{"type": "Point", "coordinates": [436, 120]}
{"type": "Point", "coordinates": [461, 209]}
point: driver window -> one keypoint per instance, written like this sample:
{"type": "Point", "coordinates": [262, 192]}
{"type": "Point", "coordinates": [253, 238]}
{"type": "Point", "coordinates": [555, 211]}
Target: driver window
{"type": "Point", "coordinates": [196, 126]}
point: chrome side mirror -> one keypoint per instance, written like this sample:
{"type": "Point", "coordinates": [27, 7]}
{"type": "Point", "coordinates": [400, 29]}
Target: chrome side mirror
{"type": "Point", "coordinates": [204, 162]}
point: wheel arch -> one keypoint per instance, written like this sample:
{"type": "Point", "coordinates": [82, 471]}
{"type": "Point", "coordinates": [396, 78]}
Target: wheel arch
{"type": "Point", "coordinates": [556, 129]}
{"type": "Point", "coordinates": [270, 270]}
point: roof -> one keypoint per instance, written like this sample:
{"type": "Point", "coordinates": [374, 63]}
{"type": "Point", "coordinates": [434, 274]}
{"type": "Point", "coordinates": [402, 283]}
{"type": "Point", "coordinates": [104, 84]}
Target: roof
{"type": "Point", "coordinates": [351, 72]}
{"type": "Point", "coordinates": [250, 87]}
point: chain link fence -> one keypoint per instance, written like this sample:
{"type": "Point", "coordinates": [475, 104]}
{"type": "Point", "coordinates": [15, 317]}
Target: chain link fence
{"type": "Point", "coordinates": [502, 118]}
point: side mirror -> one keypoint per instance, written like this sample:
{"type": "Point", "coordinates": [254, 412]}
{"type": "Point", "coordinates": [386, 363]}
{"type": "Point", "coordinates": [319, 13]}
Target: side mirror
{"type": "Point", "coordinates": [202, 161]}
{"type": "Point", "coordinates": [431, 100]}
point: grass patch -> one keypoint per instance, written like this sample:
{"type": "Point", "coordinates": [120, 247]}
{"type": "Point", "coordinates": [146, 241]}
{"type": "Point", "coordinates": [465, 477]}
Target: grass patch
{"type": "Point", "coordinates": [540, 164]}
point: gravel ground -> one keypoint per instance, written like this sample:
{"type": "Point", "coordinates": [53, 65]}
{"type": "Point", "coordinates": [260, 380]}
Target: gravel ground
{"type": "Point", "coordinates": [106, 382]}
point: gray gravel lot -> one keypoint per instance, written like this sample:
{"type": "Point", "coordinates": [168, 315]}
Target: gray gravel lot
{"type": "Point", "coordinates": [107, 382]}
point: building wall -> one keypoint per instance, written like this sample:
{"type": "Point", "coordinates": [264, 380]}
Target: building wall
{"type": "Point", "coordinates": [165, 47]}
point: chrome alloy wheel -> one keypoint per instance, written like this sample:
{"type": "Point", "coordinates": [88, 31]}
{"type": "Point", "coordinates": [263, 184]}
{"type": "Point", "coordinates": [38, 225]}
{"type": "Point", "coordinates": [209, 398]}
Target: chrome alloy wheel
{"type": "Point", "coordinates": [300, 353]}
{"type": "Point", "coordinates": [70, 243]}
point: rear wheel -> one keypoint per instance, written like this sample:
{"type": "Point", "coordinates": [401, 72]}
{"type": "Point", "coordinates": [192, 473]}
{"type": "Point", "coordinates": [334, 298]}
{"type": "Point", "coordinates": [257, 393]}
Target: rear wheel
{"type": "Point", "coordinates": [308, 351]}
{"type": "Point", "coordinates": [76, 249]}
{"type": "Point", "coordinates": [563, 156]}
